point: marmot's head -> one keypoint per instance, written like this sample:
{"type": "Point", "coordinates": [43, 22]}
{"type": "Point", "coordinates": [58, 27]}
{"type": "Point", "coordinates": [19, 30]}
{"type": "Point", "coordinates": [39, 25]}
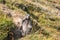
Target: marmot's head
{"type": "Point", "coordinates": [27, 16]}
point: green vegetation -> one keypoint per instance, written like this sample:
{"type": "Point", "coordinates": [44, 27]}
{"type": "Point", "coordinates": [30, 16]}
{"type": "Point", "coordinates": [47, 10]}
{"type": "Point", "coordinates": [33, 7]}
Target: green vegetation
{"type": "Point", "coordinates": [5, 25]}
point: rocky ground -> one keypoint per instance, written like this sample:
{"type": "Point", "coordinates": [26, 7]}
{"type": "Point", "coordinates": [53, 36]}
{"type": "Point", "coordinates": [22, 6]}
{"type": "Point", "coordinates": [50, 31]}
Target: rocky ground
{"type": "Point", "coordinates": [44, 14]}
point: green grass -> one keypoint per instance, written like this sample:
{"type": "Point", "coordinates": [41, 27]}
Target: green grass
{"type": "Point", "coordinates": [5, 25]}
